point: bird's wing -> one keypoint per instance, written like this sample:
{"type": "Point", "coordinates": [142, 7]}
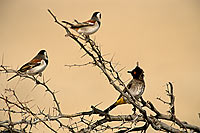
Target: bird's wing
{"type": "Point", "coordinates": [84, 24]}
{"type": "Point", "coordinates": [33, 63]}
{"type": "Point", "coordinates": [90, 22]}
{"type": "Point", "coordinates": [129, 84]}
{"type": "Point", "coordinates": [125, 90]}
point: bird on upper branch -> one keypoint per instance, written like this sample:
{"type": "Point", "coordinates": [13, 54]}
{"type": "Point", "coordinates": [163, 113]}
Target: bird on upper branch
{"type": "Point", "coordinates": [35, 66]}
{"type": "Point", "coordinates": [88, 27]}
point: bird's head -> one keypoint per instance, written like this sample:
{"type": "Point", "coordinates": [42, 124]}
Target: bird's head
{"type": "Point", "coordinates": [137, 73]}
{"type": "Point", "coordinates": [43, 53]}
{"type": "Point", "coordinates": [96, 16]}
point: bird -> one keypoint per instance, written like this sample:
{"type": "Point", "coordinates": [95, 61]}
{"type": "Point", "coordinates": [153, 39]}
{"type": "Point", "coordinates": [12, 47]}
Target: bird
{"type": "Point", "coordinates": [88, 27]}
{"type": "Point", "coordinates": [36, 66]}
{"type": "Point", "coordinates": [136, 88]}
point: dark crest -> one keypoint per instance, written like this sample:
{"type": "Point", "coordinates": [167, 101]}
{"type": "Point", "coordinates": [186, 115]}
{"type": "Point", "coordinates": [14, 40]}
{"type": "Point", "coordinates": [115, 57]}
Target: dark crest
{"type": "Point", "coordinates": [137, 72]}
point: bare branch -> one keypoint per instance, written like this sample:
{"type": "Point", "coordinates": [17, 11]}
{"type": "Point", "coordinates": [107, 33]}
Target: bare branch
{"type": "Point", "coordinates": [90, 121]}
{"type": "Point", "coordinates": [80, 65]}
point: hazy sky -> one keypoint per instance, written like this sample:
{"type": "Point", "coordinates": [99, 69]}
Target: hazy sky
{"type": "Point", "coordinates": [163, 35]}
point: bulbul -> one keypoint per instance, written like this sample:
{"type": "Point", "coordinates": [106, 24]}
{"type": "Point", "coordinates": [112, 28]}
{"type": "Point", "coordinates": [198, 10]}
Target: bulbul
{"type": "Point", "coordinates": [88, 27]}
{"type": "Point", "coordinates": [35, 66]}
{"type": "Point", "coordinates": [136, 88]}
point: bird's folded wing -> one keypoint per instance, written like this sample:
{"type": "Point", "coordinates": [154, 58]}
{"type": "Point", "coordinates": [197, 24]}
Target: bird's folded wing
{"type": "Point", "coordinates": [125, 90]}
{"type": "Point", "coordinates": [84, 24]}
{"type": "Point", "coordinates": [33, 63]}
{"type": "Point", "coordinates": [25, 67]}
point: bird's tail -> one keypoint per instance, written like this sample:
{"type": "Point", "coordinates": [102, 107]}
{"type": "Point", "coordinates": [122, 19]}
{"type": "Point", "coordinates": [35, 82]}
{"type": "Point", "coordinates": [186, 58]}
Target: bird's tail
{"type": "Point", "coordinates": [118, 102]}
{"type": "Point", "coordinates": [107, 110]}
{"type": "Point", "coordinates": [12, 77]}
{"type": "Point", "coordinates": [67, 23]}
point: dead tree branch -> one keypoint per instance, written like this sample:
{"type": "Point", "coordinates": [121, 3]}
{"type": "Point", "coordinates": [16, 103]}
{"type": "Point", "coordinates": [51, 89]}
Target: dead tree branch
{"type": "Point", "coordinates": [113, 76]}
{"type": "Point", "coordinates": [85, 121]}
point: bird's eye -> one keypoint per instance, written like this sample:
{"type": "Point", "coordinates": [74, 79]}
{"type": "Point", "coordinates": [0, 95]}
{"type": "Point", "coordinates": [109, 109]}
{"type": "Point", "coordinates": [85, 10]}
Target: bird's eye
{"type": "Point", "coordinates": [134, 73]}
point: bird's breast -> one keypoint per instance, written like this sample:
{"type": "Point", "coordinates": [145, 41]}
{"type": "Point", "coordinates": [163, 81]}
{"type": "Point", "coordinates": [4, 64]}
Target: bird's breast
{"type": "Point", "coordinates": [38, 69]}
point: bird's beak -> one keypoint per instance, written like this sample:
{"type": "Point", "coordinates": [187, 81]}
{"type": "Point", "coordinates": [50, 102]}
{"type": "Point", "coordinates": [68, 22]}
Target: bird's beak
{"type": "Point", "coordinates": [129, 71]}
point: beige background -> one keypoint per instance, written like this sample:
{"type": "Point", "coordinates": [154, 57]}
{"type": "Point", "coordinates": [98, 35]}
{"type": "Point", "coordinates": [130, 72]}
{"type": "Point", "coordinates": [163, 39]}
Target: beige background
{"type": "Point", "coordinates": [163, 35]}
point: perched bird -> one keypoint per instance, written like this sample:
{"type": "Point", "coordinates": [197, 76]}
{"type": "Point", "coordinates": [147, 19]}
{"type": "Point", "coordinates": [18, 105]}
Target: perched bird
{"type": "Point", "coordinates": [35, 66]}
{"type": "Point", "coordinates": [136, 88]}
{"type": "Point", "coordinates": [88, 27]}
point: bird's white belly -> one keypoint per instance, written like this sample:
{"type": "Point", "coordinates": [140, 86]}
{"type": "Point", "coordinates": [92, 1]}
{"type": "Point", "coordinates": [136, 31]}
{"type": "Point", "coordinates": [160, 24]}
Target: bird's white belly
{"type": "Point", "coordinates": [37, 69]}
{"type": "Point", "coordinates": [88, 30]}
